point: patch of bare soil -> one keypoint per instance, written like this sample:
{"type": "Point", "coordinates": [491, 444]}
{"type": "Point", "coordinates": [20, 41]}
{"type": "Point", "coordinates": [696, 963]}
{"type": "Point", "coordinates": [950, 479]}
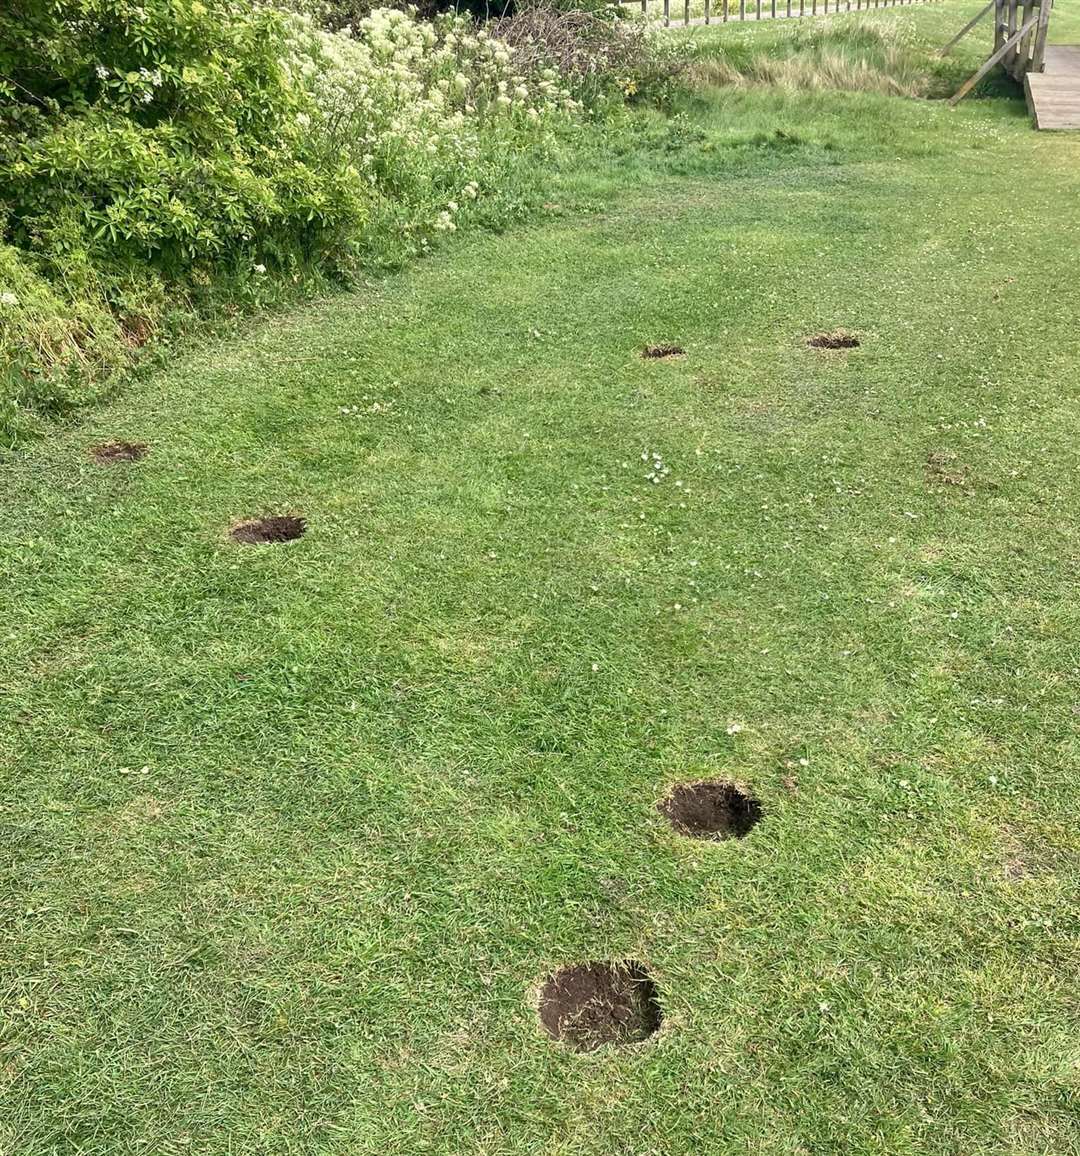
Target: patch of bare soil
{"type": "Point", "coordinates": [657, 352]}
{"type": "Point", "coordinates": [942, 467]}
{"type": "Point", "coordinates": [710, 810]}
{"type": "Point", "coordinates": [837, 339]}
{"type": "Point", "coordinates": [118, 451]}
{"type": "Point", "coordinates": [264, 531]}
{"type": "Point", "coordinates": [587, 1005]}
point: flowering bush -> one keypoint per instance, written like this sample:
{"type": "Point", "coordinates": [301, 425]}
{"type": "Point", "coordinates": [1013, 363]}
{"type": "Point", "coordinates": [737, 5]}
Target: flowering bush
{"type": "Point", "coordinates": [428, 115]}
{"type": "Point", "coordinates": [152, 149]}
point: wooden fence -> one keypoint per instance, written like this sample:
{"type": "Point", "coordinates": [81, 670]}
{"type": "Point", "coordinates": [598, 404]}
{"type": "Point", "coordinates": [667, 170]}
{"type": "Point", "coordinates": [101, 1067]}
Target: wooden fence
{"type": "Point", "coordinates": [1020, 28]}
{"type": "Point", "coordinates": [724, 11]}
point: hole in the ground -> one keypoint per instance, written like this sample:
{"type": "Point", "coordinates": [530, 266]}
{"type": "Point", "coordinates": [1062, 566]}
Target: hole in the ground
{"type": "Point", "coordinates": [587, 1005]}
{"type": "Point", "coordinates": [663, 349]}
{"type": "Point", "coordinates": [118, 451]}
{"type": "Point", "coordinates": [942, 466]}
{"type": "Point", "coordinates": [710, 810]}
{"type": "Point", "coordinates": [273, 528]}
{"type": "Point", "coordinates": [838, 339]}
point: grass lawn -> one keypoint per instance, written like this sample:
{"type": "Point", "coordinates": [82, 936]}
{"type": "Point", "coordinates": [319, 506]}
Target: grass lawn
{"type": "Point", "coordinates": [292, 833]}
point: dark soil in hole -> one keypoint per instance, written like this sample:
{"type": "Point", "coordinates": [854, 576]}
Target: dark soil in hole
{"type": "Point", "coordinates": [710, 810]}
{"type": "Point", "coordinates": [838, 339]}
{"type": "Point", "coordinates": [109, 452]}
{"type": "Point", "coordinates": [662, 350]}
{"type": "Point", "coordinates": [587, 1005]}
{"type": "Point", "coordinates": [274, 528]}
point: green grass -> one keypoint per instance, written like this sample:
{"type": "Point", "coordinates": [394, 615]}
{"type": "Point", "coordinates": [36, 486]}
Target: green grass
{"type": "Point", "coordinates": [291, 833]}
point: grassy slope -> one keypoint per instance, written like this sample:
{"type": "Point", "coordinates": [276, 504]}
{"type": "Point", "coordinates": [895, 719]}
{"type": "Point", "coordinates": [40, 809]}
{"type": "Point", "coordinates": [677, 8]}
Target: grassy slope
{"type": "Point", "coordinates": [290, 833]}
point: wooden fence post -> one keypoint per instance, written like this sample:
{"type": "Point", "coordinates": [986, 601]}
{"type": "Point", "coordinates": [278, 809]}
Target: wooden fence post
{"type": "Point", "coordinates": [1023, 49]}
{"type": "Point", "coordinates": [1040, 36]}
{"type": "Point", "coordinates": [1000, 55]}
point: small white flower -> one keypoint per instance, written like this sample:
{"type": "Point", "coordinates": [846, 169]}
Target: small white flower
{"type": "Point", "coordinates": [259, 268]}
{"type": "Point", "coordinates": [102, 72]}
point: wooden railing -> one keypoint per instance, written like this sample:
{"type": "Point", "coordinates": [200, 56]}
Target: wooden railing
{"type": "Point", "coordinates": [724, 11]}
{"type": "Point", "coordinates": [1020, 28]}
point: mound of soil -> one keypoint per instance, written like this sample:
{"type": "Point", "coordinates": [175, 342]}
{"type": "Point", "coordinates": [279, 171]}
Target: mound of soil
{"type": "Point", "coordinates": [662, 350]}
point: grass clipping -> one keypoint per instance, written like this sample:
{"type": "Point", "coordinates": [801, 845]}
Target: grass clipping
{"type": "Point", "coordinates": [854, 57]}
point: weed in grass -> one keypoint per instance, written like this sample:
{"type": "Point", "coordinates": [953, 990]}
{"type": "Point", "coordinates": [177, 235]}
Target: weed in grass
{"type": "Point", "coordinates": [587, 1005]}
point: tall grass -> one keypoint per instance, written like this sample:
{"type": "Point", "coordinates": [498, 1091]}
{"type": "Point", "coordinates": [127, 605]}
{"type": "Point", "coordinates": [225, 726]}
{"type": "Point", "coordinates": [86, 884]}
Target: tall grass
{"type": "Point", "coordinates": [855, 56]}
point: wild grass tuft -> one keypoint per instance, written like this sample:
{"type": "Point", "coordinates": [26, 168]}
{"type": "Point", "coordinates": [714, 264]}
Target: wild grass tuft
{"type": "Point", "coordinates": [855, 56]}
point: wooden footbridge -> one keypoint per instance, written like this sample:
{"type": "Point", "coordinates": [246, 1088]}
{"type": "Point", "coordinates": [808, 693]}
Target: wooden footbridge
{"type": "Point", "coordinates": [1049, 73]}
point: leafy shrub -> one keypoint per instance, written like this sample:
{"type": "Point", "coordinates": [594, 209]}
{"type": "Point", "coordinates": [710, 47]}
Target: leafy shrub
{"type": "Point", "coordinates": [165, 132]}
{"type": "Point", "coordinates": [153, 152]}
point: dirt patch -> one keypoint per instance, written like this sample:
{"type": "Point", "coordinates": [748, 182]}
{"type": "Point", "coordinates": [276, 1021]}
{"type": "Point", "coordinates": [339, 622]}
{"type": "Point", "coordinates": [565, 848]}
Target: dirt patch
{"type": "Point", "coordinates": [273, 528]}
{"type": "Point", "coordinates": [838, 339]}
{"type": "Point", "coordinates": [656, 352]}
{"type": "Point", "coordinates": [942, 467]}
{"type": "Point", "coordinates": [710, 810]}
{"type": "Point", "coordinates": [587, 1005]}
{"type": "Point", "coordinates": [109, 452]}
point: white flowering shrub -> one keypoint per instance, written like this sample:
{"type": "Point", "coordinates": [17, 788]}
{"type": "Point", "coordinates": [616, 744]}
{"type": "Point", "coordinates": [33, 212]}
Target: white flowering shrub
{"type": "Point", "coordinates": [429, 114]}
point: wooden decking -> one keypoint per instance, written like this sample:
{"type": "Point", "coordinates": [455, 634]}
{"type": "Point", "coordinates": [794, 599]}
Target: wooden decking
{"type": "Point", "coordinates": [1053, 95]}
